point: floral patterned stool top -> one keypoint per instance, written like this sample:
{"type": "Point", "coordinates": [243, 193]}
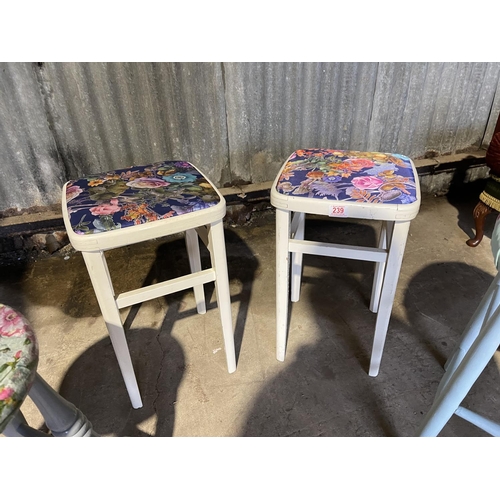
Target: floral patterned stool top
{"type": "Point", "coordinates": [18, 362]}
{"type": "Point", "coordinates": [351, 184]}
{"type": "Point", "coordinates": [137, 195]}
{"type": "Point", "coordinates": [348, 176]}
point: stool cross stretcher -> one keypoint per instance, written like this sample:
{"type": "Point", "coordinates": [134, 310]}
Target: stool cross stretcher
{"type": "Point", "coordinates": [123, 207]}
{"type": "Point", "coordinates": [348, 184]}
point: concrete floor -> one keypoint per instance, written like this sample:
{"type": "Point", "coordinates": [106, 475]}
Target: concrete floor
{"type": "Point", "coordinates": [322, 388]}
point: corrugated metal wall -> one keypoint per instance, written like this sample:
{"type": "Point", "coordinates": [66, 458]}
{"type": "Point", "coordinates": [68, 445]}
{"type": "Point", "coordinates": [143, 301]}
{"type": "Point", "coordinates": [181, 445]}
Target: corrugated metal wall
{"type": "Point", "coordinates": [236, 121]}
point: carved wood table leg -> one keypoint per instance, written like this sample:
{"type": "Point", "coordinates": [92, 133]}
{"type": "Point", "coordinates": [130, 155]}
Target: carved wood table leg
{"type": "Point", "coordinates": [61, 417]}
{"type": "Point", "coordinates": [481, 210]}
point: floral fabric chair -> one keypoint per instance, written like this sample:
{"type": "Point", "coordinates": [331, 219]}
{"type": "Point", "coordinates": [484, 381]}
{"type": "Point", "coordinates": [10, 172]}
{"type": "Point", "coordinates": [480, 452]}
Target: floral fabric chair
{"type": "Point", "coordinates": [18, 362]}
{"type": "Point", "coordinates": [19, 378]}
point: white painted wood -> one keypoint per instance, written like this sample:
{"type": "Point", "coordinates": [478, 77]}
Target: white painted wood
{"type": "Point", "coordinates": [475, 349]}
{"type": "Point", "coordinates": [165, 288]}
{"type": "Point", "coordinates": [386, 273]}
{"type": "Point", "coordinates": [99, 275]}
{"type": "Point", "coordinates": [477, 346]}
{"type": "Point", "coordinates": [297, 219]}
{"type": "Point", "coordinates": [62, 418]}
{"type": "Point", "coordinates": [193, 250]}
{"type": "Point", "coordinates": [217, 248]}
{"type": "Point", "coordinates": [379, 270]}
{"type": "Point", "coordinates": [298, 228]}
{"type": "Point", "coordinates": [461, 379]}
{"type": "Point", "coordinates": [488, 304]}
{"type": "Point", "coordinates": [142, 232]}
{"type": "Point", "coordinates": [338, 250]}
{"type": "Point", "coordinates": [282, 277]}
{"type": "Point", "coordinates": [483, 423]}
{"type": "Point", "coordinates": [205, 224]}
{"type": "Point", "coordinates": [393, 266]}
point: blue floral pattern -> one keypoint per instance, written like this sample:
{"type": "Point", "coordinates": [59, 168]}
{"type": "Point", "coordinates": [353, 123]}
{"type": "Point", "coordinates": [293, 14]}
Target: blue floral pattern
{"type": "Point", "coordinates": [137, 195]}
{"type": "Point", "coordinates": [353, 176]}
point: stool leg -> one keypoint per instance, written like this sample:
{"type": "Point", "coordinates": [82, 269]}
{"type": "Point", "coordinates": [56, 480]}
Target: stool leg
{"type": "Point", "coordinates": [217, 248]}
{"type": "Point", "coordinates": [193, 249]}
{"type": "Point", "coordinates": [488, 305]}
{"type": "Point", "coordinates": [103, 288]}
{"type": "Point", "coordinates": [393, 266]}
{"type": "Point", "coordinates": [18, 427]}
{"type": "Point", "coordinates": [63, 418]}
{"type": "Point", "coordinates": [296, 257]}
{"type": "Point", "coordinates": [462, 379]}
{"type": "Point", "coordinates": [282, 280]}
{"type": "Point", "coordinates": [479, 421]}
{"type": "Point", "coordinates": [379, 268]}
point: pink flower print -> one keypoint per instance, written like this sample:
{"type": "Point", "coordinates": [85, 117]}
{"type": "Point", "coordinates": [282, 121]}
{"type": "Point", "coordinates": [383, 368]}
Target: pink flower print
{"type": "Point", "coordinates": [367, 182]}
{"type": "Point", "coordinates": [72, 192]}
{"type": "Point", "coordinates": [147, 183]}
{"type": "Point", "coordinates": [18, 354]}
{"type": "Point", "coordinates": [106, 208]}
{"type": "Point", "coordinates": [11, 324]}
{"type": "Point", "coordinates": [359, 163]}
{"type": "Point", "coordinates": [6, 393]}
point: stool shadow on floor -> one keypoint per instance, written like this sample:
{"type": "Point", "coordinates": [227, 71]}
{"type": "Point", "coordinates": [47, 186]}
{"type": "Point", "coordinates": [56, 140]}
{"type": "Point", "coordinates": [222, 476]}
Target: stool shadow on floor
{"type": "Point", "coordinates": [324, 379]}
{"type": "Point", "coordinates": [242, 265]}
{"type": "Point", "coordinates": [94, 379]}
{"type": "Point", "coordinates": [345, 278]}
{"type": "Point", "coordinates": [11, 286]}
{"type": "Point", "coordinates": [157, 261]}
{"type": "Point", "coordinates": [324, 389]}
{"type": "Point", "coordinates": [439, 302]}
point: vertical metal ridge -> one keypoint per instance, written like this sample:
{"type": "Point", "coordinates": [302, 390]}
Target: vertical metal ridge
{"type": "Point", "coordinates": [236, 121]}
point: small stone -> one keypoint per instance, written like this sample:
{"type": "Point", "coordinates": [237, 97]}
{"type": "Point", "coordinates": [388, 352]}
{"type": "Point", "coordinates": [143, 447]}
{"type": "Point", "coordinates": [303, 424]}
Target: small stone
{"type": "Point", "coordinates": [67, 250]}
{"type": "Point", "coordinates": [52, 244]}
{"type": "Point", "coordinates": [39, 241]}
{"type": "Point", "coordinates": [61, 237]}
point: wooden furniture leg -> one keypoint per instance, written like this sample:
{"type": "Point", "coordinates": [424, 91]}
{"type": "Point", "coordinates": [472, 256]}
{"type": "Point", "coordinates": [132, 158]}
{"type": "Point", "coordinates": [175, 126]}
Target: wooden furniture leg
{"type": "Point", "coordinates": [481, 210]}
{"type": "Point", "coordinates": [150, 201]}
{"type": "Point", "coordinates": [477, 346]}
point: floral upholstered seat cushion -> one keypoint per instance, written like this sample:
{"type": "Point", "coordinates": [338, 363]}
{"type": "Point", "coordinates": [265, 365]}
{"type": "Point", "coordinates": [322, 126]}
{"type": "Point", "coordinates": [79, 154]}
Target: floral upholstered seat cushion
{"type": "Point", "coordinates": [137, 195]}
{"type": "Point", "coordinates": [18, 361]}
{"type": "Point", "coordinates": [349, 176]}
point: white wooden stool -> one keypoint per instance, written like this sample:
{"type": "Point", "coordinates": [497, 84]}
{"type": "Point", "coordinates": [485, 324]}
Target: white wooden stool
{"type": "Point", "coordinates": [123, 207]}
{"type": "Point", "coordinates": [476, 347]}
{"type": "Point", "coordinates": [352, 184]}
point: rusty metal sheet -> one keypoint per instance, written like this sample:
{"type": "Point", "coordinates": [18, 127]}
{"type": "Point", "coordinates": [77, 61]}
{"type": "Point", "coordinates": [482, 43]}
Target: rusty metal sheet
{"type": "Point", "coordinates": [236, 121]}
